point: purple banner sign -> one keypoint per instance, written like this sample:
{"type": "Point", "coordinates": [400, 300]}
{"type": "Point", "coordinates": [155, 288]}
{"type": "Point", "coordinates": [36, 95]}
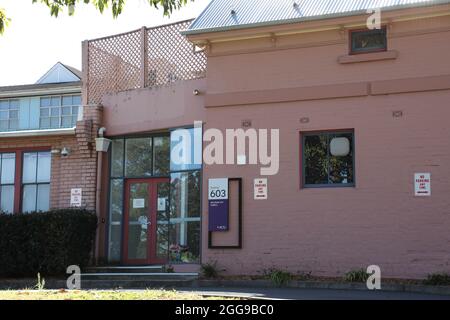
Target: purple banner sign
{"type": "Point", "coordinates": [218, 205]}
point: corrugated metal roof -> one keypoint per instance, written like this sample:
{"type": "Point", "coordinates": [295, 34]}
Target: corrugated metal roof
{"type": "Point", "coordinates": [223, 15]}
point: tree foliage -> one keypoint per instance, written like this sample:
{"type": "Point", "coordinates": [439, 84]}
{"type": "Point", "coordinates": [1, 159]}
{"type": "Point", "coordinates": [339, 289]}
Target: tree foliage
{"type": "Point", "coordinates": [115, 6]}
{"type": "Point", "coordinates": [3, 21]}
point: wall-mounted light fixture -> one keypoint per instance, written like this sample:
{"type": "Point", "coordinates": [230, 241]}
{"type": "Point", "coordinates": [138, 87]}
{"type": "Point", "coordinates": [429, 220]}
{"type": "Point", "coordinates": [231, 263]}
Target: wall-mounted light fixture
{"type": "Point", "coordinates": [65, 152]}
{"type": "Point", "coordinates": [196, 92]}
{"type": "Point", "coordinates": [101, 143]}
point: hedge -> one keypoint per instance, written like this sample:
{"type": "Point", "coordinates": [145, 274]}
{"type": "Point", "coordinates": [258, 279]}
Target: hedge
{"type": "Point", "coordinates": [45, 242]}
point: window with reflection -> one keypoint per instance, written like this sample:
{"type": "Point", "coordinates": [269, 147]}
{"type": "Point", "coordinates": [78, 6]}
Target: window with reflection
{"type": "Point", "coordinates": [185, 217]}
{"type": "Point", "coordinates": [9, 115]}
{"type": "Point", "coordinates": [7, 171]}
{"type": "Point", "coordinates": [186, 149]}
{"type": "Point", "coordinates": [59, 111]}
{"type": "Point", "coordinates": [36, 181]}
{"type": "Point", "coordinates": [328, 159]}
{"type": "Point", "coordinates": [365, 41]}
{"type": "Point", "coordinates": [136, 157]}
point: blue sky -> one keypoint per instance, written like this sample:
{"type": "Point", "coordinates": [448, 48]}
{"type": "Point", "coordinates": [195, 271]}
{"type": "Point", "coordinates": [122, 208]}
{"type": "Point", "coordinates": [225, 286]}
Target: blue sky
{"type": "Point", "coordinates": [35, 41]}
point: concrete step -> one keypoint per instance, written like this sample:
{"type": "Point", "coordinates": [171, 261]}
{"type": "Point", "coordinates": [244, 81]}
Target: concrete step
{"type": "Point", "coordinates": [134, 276]}
{"type": "Point", "coordinates": [125, 269]}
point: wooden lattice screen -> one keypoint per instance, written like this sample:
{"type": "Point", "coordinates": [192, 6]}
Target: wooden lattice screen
{"type": "Point", "coordinates": [142, 58]}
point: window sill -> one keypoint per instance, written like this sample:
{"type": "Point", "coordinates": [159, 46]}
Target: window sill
{"type": "Point", "coordinates": [368, 57]}
{"type": "Point", "coordinates": [40, 132]}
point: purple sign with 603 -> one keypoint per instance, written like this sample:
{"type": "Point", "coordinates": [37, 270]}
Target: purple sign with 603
{"type": "Point", "coordinates": [218, 205]}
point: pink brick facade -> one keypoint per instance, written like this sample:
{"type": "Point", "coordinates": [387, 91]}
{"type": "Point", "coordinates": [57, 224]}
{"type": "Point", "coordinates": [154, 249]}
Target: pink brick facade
{"type": "Point", "coordinates": [300, 78]}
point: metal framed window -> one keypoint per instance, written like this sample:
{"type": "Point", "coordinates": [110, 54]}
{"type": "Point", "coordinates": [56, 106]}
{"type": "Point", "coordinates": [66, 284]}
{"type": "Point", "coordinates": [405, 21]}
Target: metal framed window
{"type": "Point", "coordinates": [7, 178]}
{"type": "Point", "coordinates": [9, 115]}
{"type": "Point", "coordinates": [328, 159]}
{"type": "Point", "coordinates": [59, 111]}
{"type": "Point", "coordinates": [36, 172]}
{"type": "Point", "coordinates": [366, 41]}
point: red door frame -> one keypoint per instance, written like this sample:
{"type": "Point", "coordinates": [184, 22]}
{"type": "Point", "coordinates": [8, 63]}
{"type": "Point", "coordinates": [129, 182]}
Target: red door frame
{"type": "Point", "coordinates": [152, 215]}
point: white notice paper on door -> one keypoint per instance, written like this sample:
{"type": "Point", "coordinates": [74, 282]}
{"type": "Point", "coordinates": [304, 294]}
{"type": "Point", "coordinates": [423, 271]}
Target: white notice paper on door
{"type": "Point", "coordinates": [138, 203]}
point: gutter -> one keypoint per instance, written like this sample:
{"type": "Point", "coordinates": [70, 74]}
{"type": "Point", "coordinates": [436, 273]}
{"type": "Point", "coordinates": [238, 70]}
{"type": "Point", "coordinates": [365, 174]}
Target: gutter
{"type": "Point", "coordinates": [190, 32]}
{"type": "Point", "coordinates": [38, 133]}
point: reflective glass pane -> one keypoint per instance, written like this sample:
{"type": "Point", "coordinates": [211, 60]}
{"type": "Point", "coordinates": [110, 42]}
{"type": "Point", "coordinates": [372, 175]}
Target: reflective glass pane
{"type": "Point", "coordinates": [4, 125]}
{"type": "Point", "coordinates": [185, 195]}
{"type": "Point", "coordinates": [184, 242]}
{"type": "Point", "coordinates": [138, 221]}
{"type": "Point", "coordinates": [45, 123]}
{"type": "Point", "coordinates": [162, 230]}
{"type": "Point", "coordinates": [75, 111]}
{"type": "Point", "coordinates": [4, 115]}
{"type": "Point", "coordinates": [116, 200]}
{"type": "Point", "coordinates": [66, 111]}
{"type": "Point", "coordinates": [66, 122]}
{"type": "Point", "coordinates": [7, 199]}
{"type": "Point", "coordinates": [13, 124]}
{"type": "Point", "coordinates": [161, 156]}
{"type": "Point", "coordinates": [76, 100]}
{"type": "Point", "coordinates": [45, 112]}
{"type": "Point", "coordinates": [8, 168]}
{"type": "Point", "coordinates": [4, 104]}
{"type": "Point", "coordinates": [341, 167]}
{"type": "Point", "coordinates": [316, 159]}
{"type": "Point", "coordinates": [45, 102]}
{"type": "Point", "coordinates": [54, 123]}
{"type": "Point", "coordinates": [186, 149]}
{"type": "Point", "coordinates": [115, 238]}
{"type": "Point", "coordinates": [54, 112]}
{"type": "Point", "coordinates": [117, 158]}
{"type": "Point", "coordinates": [43, 197]}
{"type": "Point", "coordinates": [29, 198]}
{"type": "Point", "coordinates": [55, 101]}
{"type": "Point", "coordinates": [14, 104]}
{"type": "Point", "coordinates": [67, 100]}
{"type": "Point", "coordinates": [29, 167]}
{"type": "Point", "coordinates": [138, 157]}
{"type": "Point", "coordinates": [44, 166]}
{"type": "Point", "coordinates": [369, 40]}
{"type": "Point", "coordinates": [13, 114]}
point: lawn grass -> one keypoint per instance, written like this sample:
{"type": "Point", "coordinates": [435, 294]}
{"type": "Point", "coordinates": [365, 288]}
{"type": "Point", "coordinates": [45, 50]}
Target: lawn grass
{"type": "Point", "coordinates": [101, 295]}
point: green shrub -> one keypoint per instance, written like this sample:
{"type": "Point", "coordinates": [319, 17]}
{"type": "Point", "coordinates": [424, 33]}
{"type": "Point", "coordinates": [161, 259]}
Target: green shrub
{"type": "Point", "coordinates": [279, 277]}
{"type": "Point", "coordinates": [209, 270]}
{"type": "Point", "coordinates": [438, 279]}
{"type": "Point", "coordinates": [359, 275]}
{"type": "Point", "coordinates": [46, 242]}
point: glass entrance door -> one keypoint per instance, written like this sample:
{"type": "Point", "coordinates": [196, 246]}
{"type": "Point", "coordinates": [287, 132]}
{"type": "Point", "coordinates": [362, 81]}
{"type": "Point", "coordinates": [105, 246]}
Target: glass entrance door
{"type": "Point", "coordinates": [146, 221]}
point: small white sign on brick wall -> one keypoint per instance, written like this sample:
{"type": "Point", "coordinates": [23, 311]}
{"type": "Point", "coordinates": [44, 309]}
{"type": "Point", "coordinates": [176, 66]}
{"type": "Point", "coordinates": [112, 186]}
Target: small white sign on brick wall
{"type": "Point", "coordinates": [75, 197]}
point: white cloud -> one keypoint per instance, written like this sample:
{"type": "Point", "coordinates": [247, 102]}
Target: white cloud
{"type": "Point", "coordinates": [35, 41]}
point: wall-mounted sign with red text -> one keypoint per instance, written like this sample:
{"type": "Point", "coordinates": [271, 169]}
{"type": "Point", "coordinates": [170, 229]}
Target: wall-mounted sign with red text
{"type": "Point", "coordinates": [422, 184]}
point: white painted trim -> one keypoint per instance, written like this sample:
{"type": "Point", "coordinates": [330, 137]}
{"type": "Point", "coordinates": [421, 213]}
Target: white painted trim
{"type": "Point", "coordinates": [40, 92]}
{"type": "Point", "coordinates": [36, 133]}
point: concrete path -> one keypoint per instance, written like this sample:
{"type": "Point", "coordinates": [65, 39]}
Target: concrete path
{"type": "Point", "coordinates": [312, 294]}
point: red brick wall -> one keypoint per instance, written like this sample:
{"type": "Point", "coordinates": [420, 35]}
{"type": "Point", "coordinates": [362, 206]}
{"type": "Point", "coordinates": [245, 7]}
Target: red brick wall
{"type": "Point", "coordinates": [78, 170]}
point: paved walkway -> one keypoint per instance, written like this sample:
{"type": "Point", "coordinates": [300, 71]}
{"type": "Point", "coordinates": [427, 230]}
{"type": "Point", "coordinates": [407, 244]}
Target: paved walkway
{"type": "Point", "coordinates": [312, 294]}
